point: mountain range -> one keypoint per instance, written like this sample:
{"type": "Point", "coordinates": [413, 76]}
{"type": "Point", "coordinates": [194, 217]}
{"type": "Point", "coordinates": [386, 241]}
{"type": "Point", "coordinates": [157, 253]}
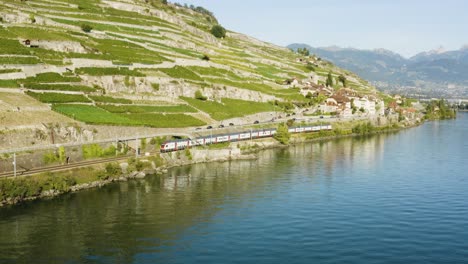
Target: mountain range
{"type": "Point", "coordinates": [436, 73]}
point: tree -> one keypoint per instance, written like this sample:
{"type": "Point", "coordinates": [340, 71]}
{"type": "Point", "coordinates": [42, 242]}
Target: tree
{"type": "Point", "coordinates": [303, 51]}
{"type": "Point", "coordinates": [319, 99]}
{"type": "Point", "coordinates": [342, 79]}
{"type": "Point", "coordinates": [86, 28]}
{"type": "Point", "coordinates": [218, 31]}
{"type": "Point", "coordinates": [282, 134]}
{"type": "Point", "coordinates": [329, 81]}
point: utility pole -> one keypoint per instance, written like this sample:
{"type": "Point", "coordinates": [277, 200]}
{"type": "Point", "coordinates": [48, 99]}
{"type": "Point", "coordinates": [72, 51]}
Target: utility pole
{"type": "Point", "coordinates": [14, 164]}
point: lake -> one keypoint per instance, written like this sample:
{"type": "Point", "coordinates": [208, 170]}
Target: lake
{"type": "Point", "coordinates": [392, 198]}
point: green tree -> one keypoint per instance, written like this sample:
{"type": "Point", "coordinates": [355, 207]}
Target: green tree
{"type": "Point", "coordinates": [282, 134]}
{"type": "Point", "coordinates": [303, 51]}
{"type": "Point", "coordinates": [342, 79]}
{"type": "Point", "coordinates": [86, 28]}
{"type": "Point", "coordinates": [319, 99]}
{"type": "Point", "coordinates": [218, 31]}
{"type": "Point", "coordinates": [329, 82]}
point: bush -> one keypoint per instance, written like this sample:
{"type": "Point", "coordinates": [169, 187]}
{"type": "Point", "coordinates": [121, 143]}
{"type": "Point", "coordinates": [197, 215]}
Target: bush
{"type": "Point", "coordinates": [158, 160]}
{"type": "Point", "coordinates": [218, 31]}
{"type": "Point", "coordinates": [282, 134]}
{"type": "Point", "coordinates": [199, 95]}
{"type": "Point", "coordinates": [60, 183]}
{"type": "Point", "coordinates": [188, 154]}
{"type": "Point", "coordinates": [363, 129]}
{"type": "Point", "coordinates": [157, 141]}
{"type": "Point", "coordinates": [155, 86]}
{"type": "Point", "coordinates": [139, 166]}
{"type": "Point", "coordinates": [96, 151]}
{"type": "Point", "coordinates": [50, 157]}
{"type": "Point", "coordinates": [113, 169]}
{"type": "Point", "coordinates": [290, 122]}
{"type": "Point", "coordinates": [86, 28]}
{"type": "Point", "coordinates": [32, 18]}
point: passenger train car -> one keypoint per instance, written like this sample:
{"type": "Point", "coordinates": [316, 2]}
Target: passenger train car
{"type": "Point", "coordinates": [174, 145]}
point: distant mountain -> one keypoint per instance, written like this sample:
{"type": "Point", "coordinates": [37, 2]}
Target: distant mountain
{"type": "Point", "coordinates": [427, 74]}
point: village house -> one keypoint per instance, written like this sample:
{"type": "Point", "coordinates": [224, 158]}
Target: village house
{"type": "Point", "coordinates": [31, 44]}
{"type": "Point", "coordinates": [365, 104]}
{"type": "Point", "coordinates": [294, 82]}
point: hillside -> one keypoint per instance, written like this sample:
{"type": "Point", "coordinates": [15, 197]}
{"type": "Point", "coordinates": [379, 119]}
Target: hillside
{"type": "Point", "coordinates": [142, 63]}
{"type": "Point", "coordinates": [428, 74]}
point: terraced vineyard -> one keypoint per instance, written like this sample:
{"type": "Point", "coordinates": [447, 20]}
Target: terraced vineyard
{"type": "Point", "coordinates": [97, 60]}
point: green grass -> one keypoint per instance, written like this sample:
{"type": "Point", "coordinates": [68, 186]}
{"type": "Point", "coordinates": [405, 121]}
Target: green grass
{"type": "Point", "coordinates": [108, 71]}
{"type": "Point", "coordinates": [129, 19]}
{"type": "Point", "coordinates": [13, 47]}
{"type": "Point", "coordinates": [38, 33]}
{"type": "Point", "coordinates": [58, 97]}
{"type": "Point", "coordinates": [108, 99]}
{"type": "Point", "coordinates": [9, 83]}
{"type": "Point", "coordinates": [166, 121]}
{"type": "Point", "coordinates": [51, 77]}
{"type": "Point", "coordinates": [229, 108]}
{"type": "Point", "coordinates": [287, 94]}
{"type": "Point", "coordinates": [217, 72]}
{"type": "Point", "coordinates": [60, 87]}
{"type": "Point", "coordinates": [5, 33]}
{"type": "Point", "coordinates": [2, 71]}
{"type": "Point", "coordinates": [180, 72]}
{"type": "Point", "coordinates": [19, 60]}
{"type": "Point", "coordinates": [148, 109]}
{"type": "Point", "coordinates": [94, 115]}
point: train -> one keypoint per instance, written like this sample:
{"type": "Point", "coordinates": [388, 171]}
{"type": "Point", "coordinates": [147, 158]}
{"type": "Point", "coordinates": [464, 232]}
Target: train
{"type": "Point", "coordinates": [181, 144]}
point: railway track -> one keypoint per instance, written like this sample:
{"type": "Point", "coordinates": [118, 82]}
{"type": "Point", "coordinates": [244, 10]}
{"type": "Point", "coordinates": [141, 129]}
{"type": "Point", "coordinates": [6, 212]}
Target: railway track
{"type": "Point", "coordinates": [24, 172]}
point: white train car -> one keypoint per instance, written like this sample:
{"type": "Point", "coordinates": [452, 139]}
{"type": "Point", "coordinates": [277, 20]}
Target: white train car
{"type": "Point", "coordinates": [175, 145]}
{"type": "Point", "coordinates": [244, 136]}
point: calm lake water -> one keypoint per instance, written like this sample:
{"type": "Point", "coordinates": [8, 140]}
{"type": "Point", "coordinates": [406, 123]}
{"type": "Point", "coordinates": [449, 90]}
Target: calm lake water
{"type": "Point", "coordinates": [395, 198]}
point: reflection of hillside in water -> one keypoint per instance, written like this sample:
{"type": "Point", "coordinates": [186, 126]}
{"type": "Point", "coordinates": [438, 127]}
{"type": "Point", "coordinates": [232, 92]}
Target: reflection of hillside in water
{"type": "Point", "coordinates": [340, 153]}
{"type": "Point", "coordinates": [148, 215]}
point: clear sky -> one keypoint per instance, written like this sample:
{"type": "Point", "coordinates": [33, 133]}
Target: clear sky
{"type": "Point", "coordinates": [404, 26]}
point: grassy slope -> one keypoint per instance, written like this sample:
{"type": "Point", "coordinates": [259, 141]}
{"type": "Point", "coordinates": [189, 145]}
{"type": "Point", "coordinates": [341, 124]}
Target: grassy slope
{"type": "Point", "coordinates": [144, 37]}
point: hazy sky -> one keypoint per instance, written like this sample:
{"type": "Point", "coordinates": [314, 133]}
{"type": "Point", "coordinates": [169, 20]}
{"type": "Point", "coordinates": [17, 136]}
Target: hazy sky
{"type": "Point", "coordinates": [403, 26]}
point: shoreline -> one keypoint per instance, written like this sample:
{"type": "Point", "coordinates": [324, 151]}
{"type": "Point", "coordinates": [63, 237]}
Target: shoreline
{"type": "Point", "coordinates": [196, 156]}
